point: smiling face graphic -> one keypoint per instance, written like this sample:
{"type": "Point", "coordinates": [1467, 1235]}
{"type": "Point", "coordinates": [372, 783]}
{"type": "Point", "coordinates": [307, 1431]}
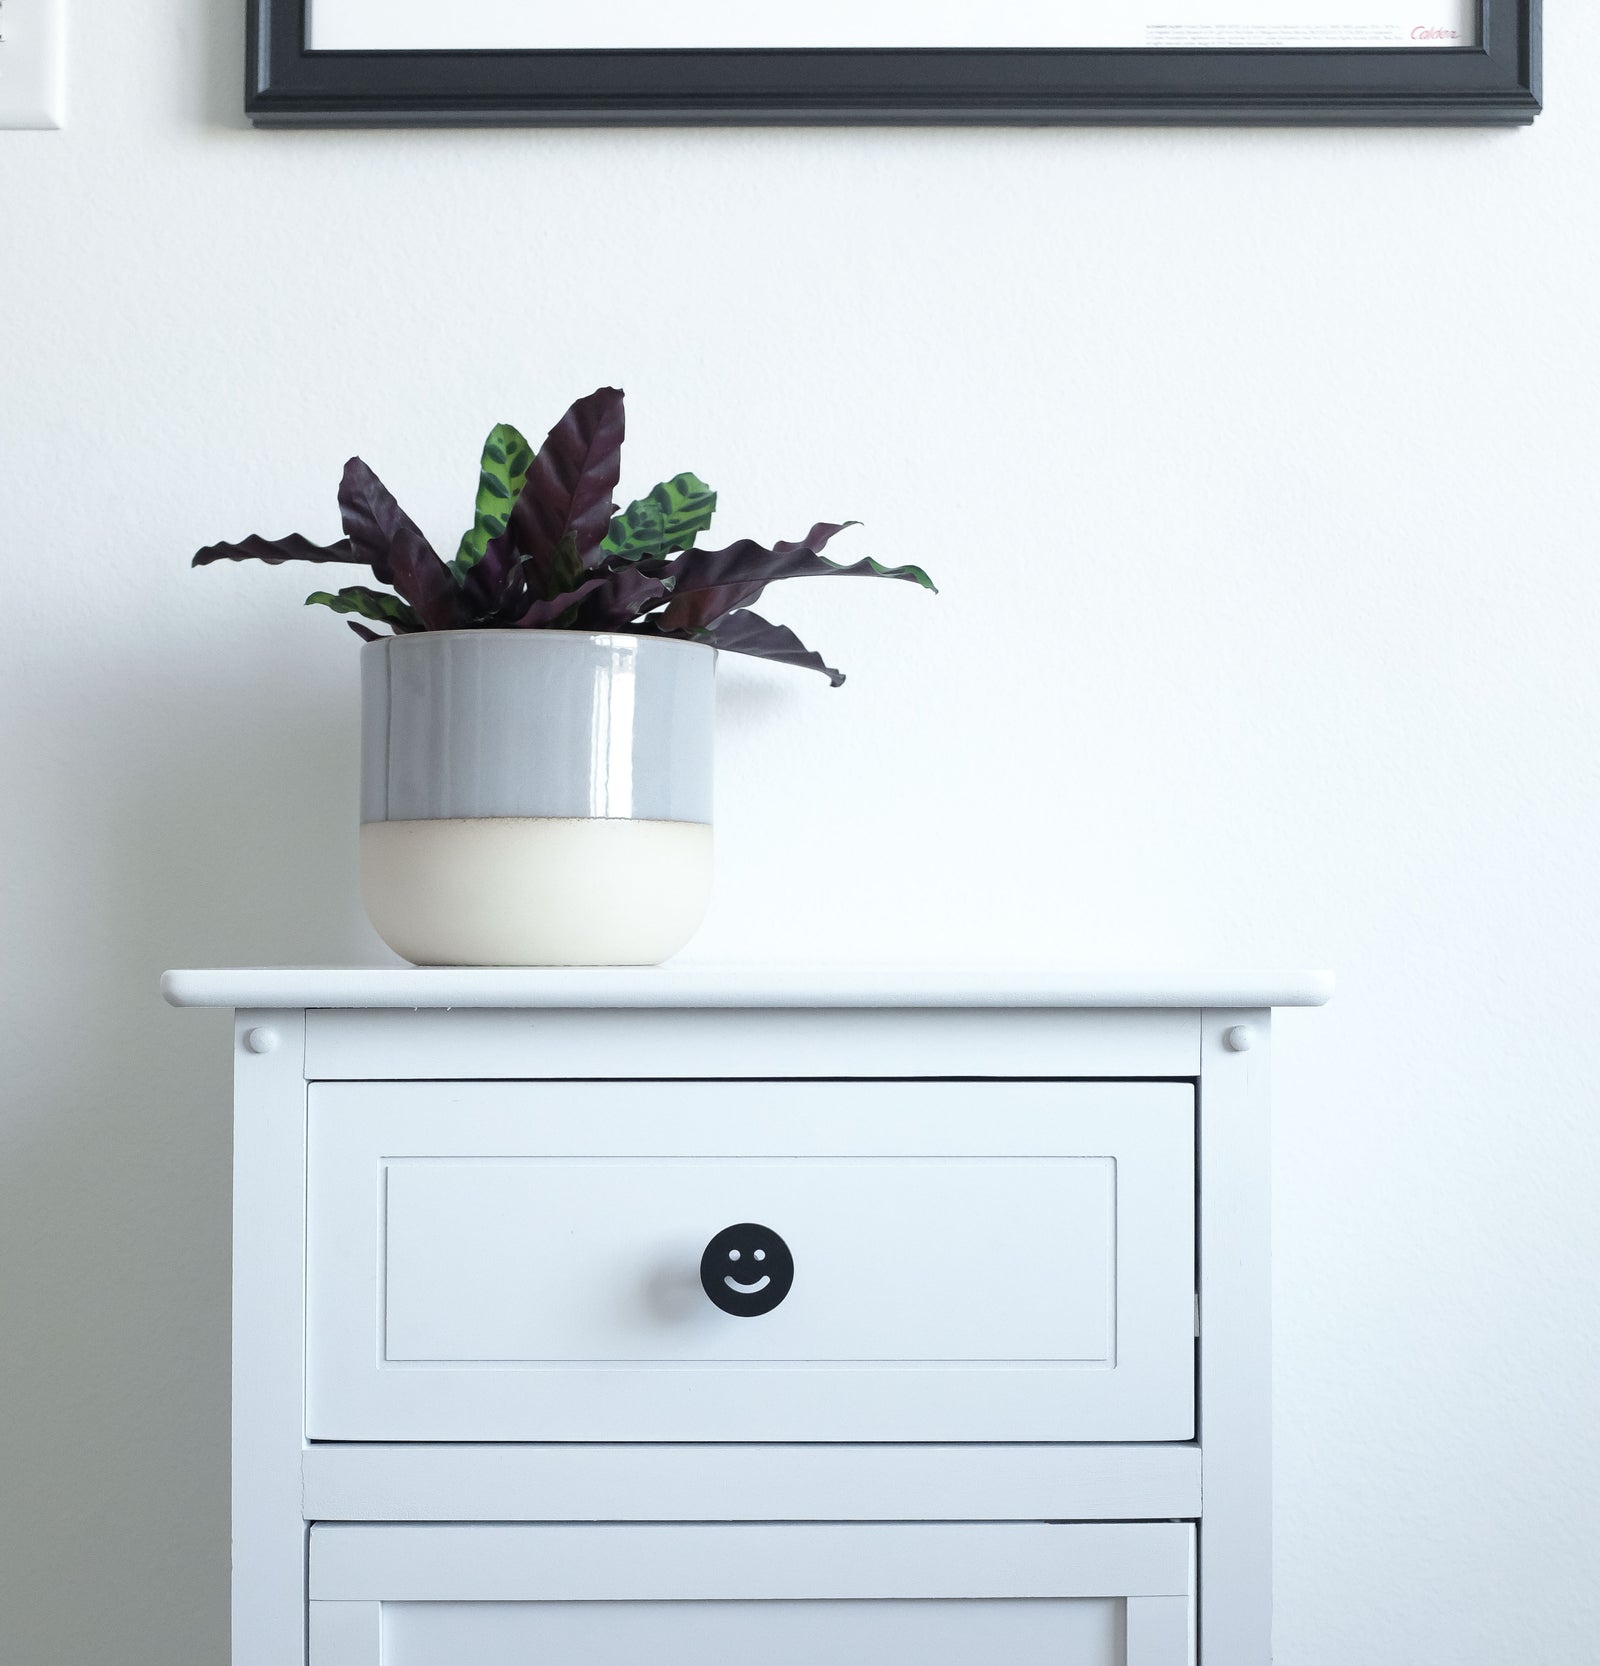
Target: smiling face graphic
{"type": "Point", "coordinates": [758, 1283]}
{"type": "Point", "coordinates": [747, 1270]}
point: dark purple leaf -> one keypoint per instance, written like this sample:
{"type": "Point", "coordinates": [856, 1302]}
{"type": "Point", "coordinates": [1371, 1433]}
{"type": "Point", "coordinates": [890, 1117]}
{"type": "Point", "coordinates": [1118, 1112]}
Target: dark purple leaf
{"type": "Point", "coordinates": [544, 614]}
{"type": "Point", "coordinates": [275, 551]}
{"type": "Point", "coordinates": [569, 486]}
{"type": "Point", "coordinates": [709, 584]}
{"type": "Point", "coordinates": [495, 588]}
{"type": "Point", "coordinates": [389, 541]}
{"type": "Point", "coordinates": [364, 633]}
{"type": "Point", "coordinates": [624, 595]}
{"type": "Point", "coordinates": [749, 633]}
{"type": "Point", "coordinates": [701, 609]}
{"type": "Point", "coordinates": [739, 567]}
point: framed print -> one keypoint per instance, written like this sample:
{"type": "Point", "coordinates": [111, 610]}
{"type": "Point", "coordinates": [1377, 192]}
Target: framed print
{"type": "Point", "coordinates": [421, 62]}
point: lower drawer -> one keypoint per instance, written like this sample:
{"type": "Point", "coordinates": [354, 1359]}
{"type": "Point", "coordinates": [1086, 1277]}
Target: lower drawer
{"type": "Point", "coordinates": [1092, 1594]}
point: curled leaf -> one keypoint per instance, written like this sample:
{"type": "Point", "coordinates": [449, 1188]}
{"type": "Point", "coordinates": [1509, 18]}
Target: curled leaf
{"type": "Point", "coordinates": [708, 584]}
{"type": "Point", "coordinates": [275, 551]}
{"type": "Point", "coordinates": [364, 633]}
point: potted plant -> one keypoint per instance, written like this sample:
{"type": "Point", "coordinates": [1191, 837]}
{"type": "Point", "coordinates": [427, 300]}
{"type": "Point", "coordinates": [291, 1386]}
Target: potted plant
{"type": "Point", "coordinates": [537, 712]}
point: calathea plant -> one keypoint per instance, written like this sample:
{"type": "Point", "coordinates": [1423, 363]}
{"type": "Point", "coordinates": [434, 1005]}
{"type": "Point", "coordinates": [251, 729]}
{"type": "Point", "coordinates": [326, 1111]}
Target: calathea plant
{"type": "Point", "coordinates": [547, 550]}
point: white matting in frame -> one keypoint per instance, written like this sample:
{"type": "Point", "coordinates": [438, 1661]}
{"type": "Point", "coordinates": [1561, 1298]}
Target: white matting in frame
{"type": "Point", "coordinates": [530, 25]}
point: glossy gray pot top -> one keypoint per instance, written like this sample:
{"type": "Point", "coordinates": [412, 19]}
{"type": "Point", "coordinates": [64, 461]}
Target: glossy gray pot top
{"type": "Point", "coordinates": [536, 723]}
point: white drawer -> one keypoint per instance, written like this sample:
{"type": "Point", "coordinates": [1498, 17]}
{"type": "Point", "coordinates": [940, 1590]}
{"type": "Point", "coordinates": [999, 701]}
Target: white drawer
{"type": "Point", "coordinates": [503, 1261]}
{"type": "Point", "coordinates": [935, 1595]}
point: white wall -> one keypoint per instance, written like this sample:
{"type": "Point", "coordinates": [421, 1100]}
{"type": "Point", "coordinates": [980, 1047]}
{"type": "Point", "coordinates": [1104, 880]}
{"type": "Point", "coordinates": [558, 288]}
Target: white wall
{"type": "Point", "coordinates": [1257, 469]}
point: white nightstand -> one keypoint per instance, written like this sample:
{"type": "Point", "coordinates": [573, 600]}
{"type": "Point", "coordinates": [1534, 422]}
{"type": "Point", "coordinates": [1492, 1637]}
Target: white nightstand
{"type": "Point", "coordinates": [993, 1326]}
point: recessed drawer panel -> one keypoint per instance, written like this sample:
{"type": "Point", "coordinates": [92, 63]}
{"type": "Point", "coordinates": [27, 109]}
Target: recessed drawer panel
{"type": "Point", "coordinates": [945, 1595]}
{"type": "Point", "coordinates": [751, 1261]}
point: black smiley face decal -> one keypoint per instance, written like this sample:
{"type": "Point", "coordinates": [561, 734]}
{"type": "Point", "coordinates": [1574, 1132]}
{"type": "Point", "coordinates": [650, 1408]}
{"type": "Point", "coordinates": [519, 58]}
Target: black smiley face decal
{"type": "Point", "coordinates": [747, 1270]}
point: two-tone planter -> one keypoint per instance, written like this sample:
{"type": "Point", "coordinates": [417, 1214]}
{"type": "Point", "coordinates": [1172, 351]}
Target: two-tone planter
{"type": "Point", "coordinates": [536, 798]}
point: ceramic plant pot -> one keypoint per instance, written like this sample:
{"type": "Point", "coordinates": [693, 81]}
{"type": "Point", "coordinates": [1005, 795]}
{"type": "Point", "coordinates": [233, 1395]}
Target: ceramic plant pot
{"type": "Point", "coordinates": [536, 798]}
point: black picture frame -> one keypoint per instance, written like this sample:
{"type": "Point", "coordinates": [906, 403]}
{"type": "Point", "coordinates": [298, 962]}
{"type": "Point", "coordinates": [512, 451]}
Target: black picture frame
{"type": "Point", "coordinates": [1496, 82]}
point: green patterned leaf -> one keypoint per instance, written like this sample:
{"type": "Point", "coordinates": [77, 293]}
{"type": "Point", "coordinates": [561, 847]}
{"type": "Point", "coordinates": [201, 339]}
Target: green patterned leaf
{"type": "Point", "coordinates": [501, 474]}
{"type": "Point", "coordinates": [566, 565]}
{"type": "Point", "coordinates": [369, 604]}
{"type": "Point", "coordinates": [668, 518]}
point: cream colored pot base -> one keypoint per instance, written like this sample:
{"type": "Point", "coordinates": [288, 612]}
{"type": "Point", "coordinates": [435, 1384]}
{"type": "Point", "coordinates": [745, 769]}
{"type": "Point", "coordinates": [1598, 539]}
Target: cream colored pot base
{"type": "Point", "coordinates": [535, 890]}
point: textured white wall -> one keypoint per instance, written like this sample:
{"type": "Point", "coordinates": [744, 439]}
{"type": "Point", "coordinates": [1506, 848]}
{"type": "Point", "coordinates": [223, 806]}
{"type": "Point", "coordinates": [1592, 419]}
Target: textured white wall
{"type": "Point", "coordinates": [1257, 469]}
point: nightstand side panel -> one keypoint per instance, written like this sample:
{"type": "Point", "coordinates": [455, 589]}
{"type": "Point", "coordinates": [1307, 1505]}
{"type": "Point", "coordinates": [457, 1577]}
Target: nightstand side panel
{"type": "Point", "coordinates": [269, 1161]}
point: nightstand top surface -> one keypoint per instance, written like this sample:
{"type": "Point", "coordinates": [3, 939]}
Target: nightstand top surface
{"type": "Point", "coordinates": [736, 984]}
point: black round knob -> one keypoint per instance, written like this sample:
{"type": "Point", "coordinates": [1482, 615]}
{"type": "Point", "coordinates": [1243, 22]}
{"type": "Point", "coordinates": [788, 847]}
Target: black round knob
{"type": "Point", "coordinates": [747, 1269]}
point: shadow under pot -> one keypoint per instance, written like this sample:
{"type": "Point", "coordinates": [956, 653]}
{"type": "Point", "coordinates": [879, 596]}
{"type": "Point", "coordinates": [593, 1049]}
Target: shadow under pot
{"type": "Point", "coordinates": [536, 798]}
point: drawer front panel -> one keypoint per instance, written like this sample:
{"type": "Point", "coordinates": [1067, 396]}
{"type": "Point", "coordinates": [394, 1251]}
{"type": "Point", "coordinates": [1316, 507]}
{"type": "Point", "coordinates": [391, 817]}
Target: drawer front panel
{"type": "Point", "coordinates": [520, 1261]}
{"type": "Point", "coordinates": [557, 1260]}
{"type": "Point", "coordinates": [949, 1595]}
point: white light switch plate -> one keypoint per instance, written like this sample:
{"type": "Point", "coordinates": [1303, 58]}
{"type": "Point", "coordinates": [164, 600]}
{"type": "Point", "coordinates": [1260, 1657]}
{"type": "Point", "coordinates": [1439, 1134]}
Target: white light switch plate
{"type": "Point", "coordinates": [32, 63]}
